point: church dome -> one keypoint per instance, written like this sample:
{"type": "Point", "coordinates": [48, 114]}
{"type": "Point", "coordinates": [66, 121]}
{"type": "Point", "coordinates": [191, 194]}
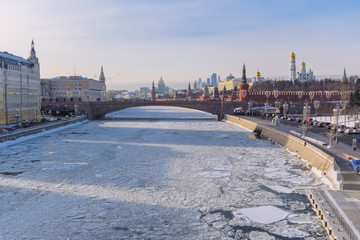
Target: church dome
{"type": "Point", "coordinates": [303, 63]}
{"type": "Point", "coordinates": [258, 74]}
{"type": "Point", "coordinates": [230, 77]}
{"type": "Point", "coordinates": [292, 55]}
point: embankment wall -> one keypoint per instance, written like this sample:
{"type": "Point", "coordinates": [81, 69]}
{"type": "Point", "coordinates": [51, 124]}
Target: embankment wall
{"type": "Point", "coordinates": [314, 156]}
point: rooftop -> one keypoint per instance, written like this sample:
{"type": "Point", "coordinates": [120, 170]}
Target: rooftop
{"type": "Point", "coordinates": [13, 57]}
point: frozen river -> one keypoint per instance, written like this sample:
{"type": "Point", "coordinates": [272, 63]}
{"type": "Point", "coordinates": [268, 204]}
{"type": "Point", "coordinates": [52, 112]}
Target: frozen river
{"type": "Point", "coordinates": [183, 179]}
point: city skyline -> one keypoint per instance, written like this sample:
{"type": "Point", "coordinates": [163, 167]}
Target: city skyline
{"type": "Point", "coordinates": [138, 42]}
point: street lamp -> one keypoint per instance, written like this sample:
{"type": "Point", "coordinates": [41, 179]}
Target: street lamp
{"type": "Point", "coordinates": [266, 109]}
{"type": "Point", "coordinates": [250, 105]}
{"type": "Point", "coordinates": [336, 112]}
{"type": "Point", "coordinates": [316, 106]}
{"type": "Point", "coordinates": [343, 104]}
{"type": "Point", "coordinates": [306, 112]}
{"type": "Point", "coordinates": [278, 105]}
{"type": "Point", "coordinates": [285, 108]}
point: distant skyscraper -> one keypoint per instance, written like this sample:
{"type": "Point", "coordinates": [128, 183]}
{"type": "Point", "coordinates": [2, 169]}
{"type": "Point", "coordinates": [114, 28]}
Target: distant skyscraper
{"type": "Point", "coordinates": [161, 87]}
{"type": "Point", "coordinates": [214, 80]}
{"type": "Point", "coordinates": [292, 76]}
{"type": "Point", "coordinates": [199, 83]}
{"type": "Point", "coordinates": [208, 82]}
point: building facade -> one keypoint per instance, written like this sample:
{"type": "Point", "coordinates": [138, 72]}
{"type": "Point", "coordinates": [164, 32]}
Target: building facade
{"type": "Point", "coordinates": [303, 75]}
{"type": "Point", "coordinates": [292, 76]}
{"type": "Point", "coordinates": [229, 83]}
{"type": "Point", "coordinates": [19, 87]}
{"type": "Point", "coordinates": [73, 89]}
{"type": "Point", "coordinates": [161, 87]}
{"type": "Point", "coordinates": [214, 80]}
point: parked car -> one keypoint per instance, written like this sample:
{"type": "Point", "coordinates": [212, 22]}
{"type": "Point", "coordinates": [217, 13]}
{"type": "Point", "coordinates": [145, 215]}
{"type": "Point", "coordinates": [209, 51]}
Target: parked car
{"type": "Point", "coordinates": [298, 119]}
{"type": "Point", "coordinates": [341, 130]}
{"type": "Point", "coordinates": [328, 125]}
{"type": "Point", "coordinates": [320, 124]}
{"type": "Point", "coordinates": [25, 123]}
{"type": "Point", "coordinates": [348, 131]}
{"type": "Point", "coordinates": [355, 130]}
{"type": "Point", "coordinates": [309, 119]}
{"type": "Point", "coordinates": [290, 118]}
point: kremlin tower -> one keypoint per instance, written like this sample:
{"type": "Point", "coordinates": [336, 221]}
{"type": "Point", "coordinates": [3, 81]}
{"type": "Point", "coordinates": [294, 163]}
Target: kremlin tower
{"type": "Point", "coordinates": [153, 93]}
{"type": "Point", "coordinates": [292, 76]}
{"type": "Point", "coordinates": [243, 85]}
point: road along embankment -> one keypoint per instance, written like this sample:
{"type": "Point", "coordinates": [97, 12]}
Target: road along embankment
{"type": "Point", "coordinates": [315, 157]}
{"type": "Point", "coordinates": [38, 129]}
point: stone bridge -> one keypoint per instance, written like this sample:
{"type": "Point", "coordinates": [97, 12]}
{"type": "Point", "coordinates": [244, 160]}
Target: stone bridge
{"type": "Point", "coordinates": [97, 110]}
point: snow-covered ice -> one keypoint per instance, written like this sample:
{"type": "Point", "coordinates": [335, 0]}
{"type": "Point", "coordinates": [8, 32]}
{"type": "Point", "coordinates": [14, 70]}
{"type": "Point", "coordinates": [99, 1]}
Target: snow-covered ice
{"type": "Point", "coordinates": [165, 179]}
{"type": "Point", "coordinates": [263, 214]}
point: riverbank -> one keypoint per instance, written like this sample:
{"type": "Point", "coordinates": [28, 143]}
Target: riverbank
{"type": "Point", "coordinates": [337, 209]}
{"type": "Point", "coordinates": [25, 132]}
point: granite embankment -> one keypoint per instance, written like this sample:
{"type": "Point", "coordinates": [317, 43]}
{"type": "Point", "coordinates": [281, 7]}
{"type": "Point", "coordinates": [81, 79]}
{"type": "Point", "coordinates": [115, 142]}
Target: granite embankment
{"type": "Point", "coordinates": [38, 129]}
{"type": "Point", "coordinates": [314, 156]}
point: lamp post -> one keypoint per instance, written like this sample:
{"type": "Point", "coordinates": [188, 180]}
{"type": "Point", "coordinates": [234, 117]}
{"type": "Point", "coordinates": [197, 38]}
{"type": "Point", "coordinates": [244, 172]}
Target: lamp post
{"type": "Point", "coordinates": [316, 106]}
{"type": "Point", "coordinates": [250, 105]}
{"type": "Point", "coordinates": [343, 104]}
{"type": "Point", "coordinates": [266, 109]}
{"type": "Point", "coordinates": [278, 105]}
{"type": "Point", "coordinates": [336, 112]}
{"type": "Point", "coordinates": [306, 112]}
{"type": "Point", "coordinates": [285, 108]}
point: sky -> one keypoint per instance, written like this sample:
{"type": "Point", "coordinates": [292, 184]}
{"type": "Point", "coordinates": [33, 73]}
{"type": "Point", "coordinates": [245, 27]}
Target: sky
{"type": "Point", "coordinates": [139, 41]}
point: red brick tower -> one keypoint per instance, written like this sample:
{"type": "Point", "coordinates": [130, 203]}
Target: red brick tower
{"type": "Point", "coordinates": [243, 87]}
{"type": "Point", "coordinates": [153, 93]}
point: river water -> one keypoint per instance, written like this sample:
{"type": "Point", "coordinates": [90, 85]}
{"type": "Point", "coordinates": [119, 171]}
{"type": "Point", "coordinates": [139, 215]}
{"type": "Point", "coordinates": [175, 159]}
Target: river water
{"type": "Point", "coordinates": [164, 179]}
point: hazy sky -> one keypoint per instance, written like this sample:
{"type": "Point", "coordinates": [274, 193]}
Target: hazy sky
{"type": "Point", "coordinates": [138, 41]}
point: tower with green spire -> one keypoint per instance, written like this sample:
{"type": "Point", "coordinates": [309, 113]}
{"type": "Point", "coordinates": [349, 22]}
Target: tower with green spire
{"type": "Point", "coordinates": [344, 78]}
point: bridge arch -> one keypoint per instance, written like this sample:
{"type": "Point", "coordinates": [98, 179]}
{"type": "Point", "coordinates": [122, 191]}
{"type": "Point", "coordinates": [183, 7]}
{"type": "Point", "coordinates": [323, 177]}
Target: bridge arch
{"type": "Point", "coordinates": [97, 110]}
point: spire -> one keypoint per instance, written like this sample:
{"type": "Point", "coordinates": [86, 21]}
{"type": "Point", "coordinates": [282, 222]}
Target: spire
{"type": "Point", "coordinates": [32, 48]}
{"type": "Point", "coordinates": [188, 93]}
{"type": "Point", "coordinates": [102, 76]}
{"type": "Point", "coordinates": [153, 93]}
{"type": "Point", "coordinates": [244, 73]}
{"type": "Point", "coordinates": [344, 71]}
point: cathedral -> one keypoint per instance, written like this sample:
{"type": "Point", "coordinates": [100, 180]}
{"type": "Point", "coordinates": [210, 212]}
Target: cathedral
{"type": "Point", "coordinates": [300, 76]}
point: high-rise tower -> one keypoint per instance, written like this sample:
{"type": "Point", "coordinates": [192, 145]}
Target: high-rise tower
{"type": "Point", "coordinates": [292, 76]}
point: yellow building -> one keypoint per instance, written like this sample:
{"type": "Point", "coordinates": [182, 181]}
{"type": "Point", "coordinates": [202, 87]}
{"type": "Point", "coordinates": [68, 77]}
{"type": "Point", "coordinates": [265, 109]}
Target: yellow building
{"type": "Point", "coordinates": [73, 89]}
{"type": "Point", "coordinates": [230, 82]}
{"type": "Point", "coordinates": [19, 87]}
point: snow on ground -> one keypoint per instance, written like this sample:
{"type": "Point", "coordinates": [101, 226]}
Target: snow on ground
{"type": "Point", "coordinates": [163, 179]}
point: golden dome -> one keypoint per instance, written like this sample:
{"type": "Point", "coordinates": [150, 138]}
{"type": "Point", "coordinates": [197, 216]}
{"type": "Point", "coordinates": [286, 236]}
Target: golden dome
{"type": "Point", "coordinates": [303, 63]}
{"type": "Point", "coordinates": [292, 55]}
{"type": "Point", "coordinates": [230, 77]}
{"type": "Point", "coordinates": [258, 74]}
